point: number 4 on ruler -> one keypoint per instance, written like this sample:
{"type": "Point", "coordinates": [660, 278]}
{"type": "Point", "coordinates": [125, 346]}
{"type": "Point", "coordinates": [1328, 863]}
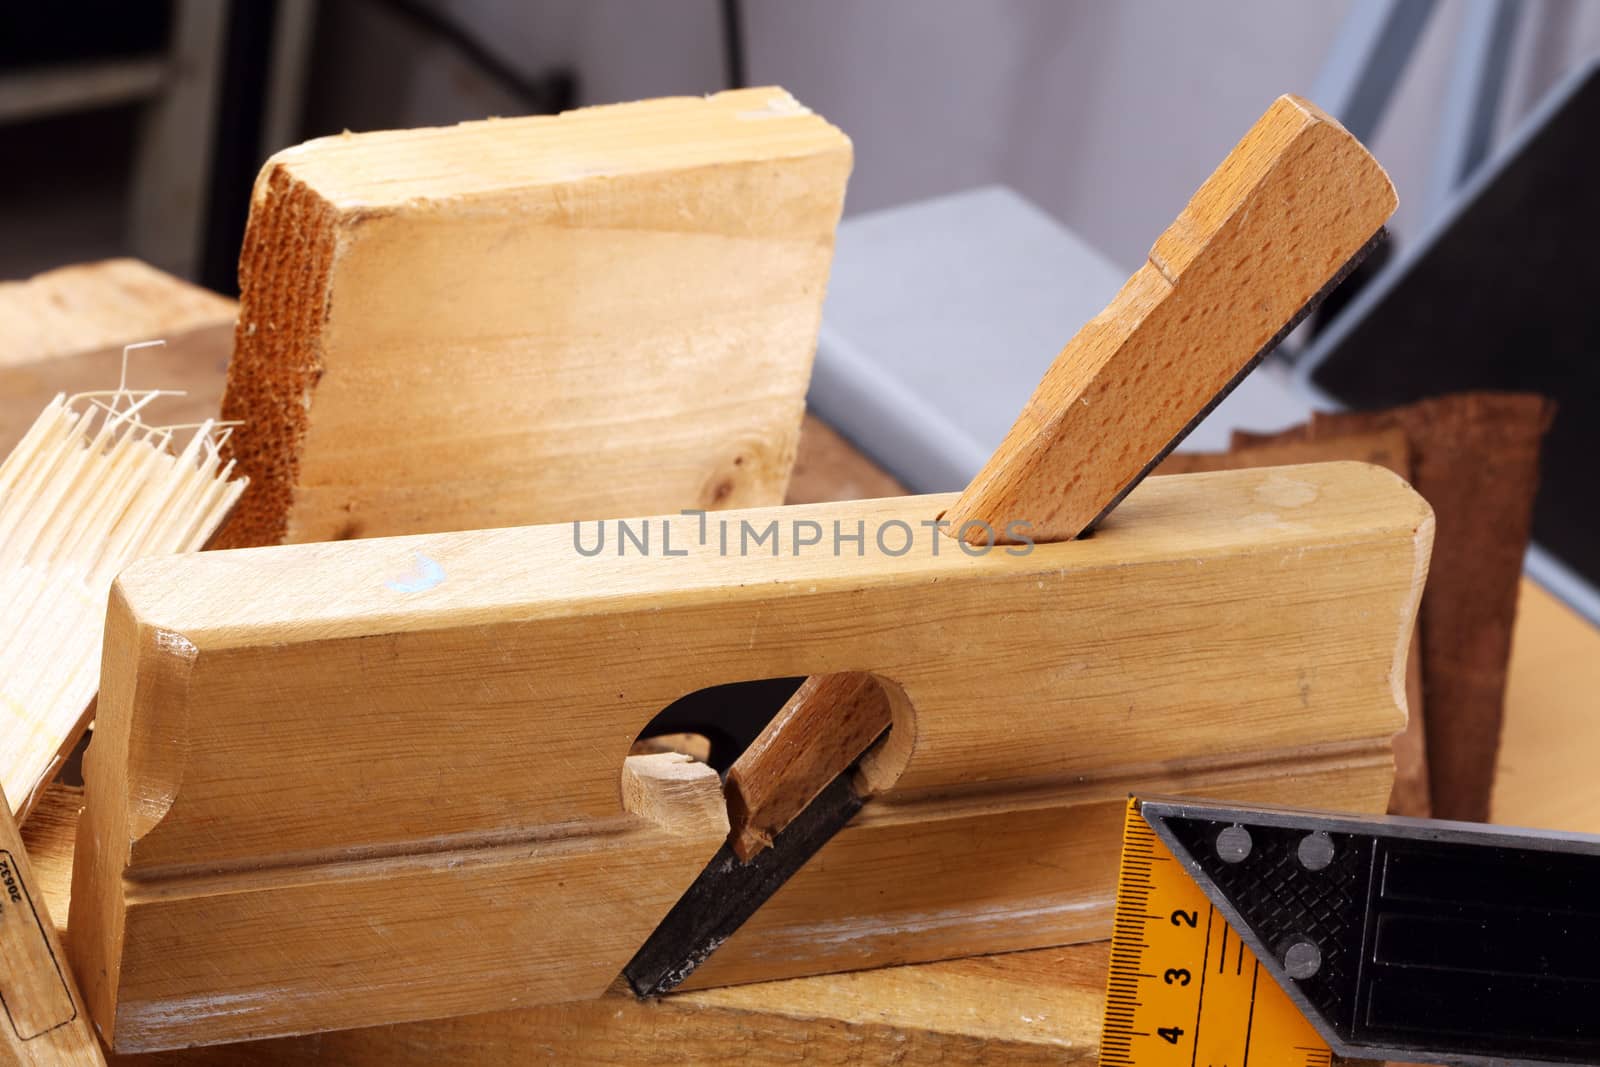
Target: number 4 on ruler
{"type": "Point", "coordinates": [1183, 989]}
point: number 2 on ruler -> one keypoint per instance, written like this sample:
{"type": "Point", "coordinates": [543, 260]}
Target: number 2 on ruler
{"type": "Point", "coordinates": [1183, 989]}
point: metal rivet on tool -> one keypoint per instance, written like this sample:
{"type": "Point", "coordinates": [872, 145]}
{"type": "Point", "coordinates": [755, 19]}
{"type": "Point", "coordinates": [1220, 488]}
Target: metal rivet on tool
{"type": "Point", "coordinates": [1233, 844]}
{"type": "Point", "coordinates": [1316, 850]}
{"type": "Point", "coordinates": [1302, 959]}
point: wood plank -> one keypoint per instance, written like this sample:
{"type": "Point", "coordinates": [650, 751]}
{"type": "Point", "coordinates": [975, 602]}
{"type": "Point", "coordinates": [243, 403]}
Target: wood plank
{"type": "Point", "coordinates": [105, 305]}
{"type": "Point", "coordinates": [607, 312]}
{"type": "Point", "coordinates": [1546, 772]}
{"type": "Point", "coordinates": [221, 716]}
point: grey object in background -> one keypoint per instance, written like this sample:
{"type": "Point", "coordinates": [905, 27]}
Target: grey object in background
{"type": "Point", "coordinates": [941, 318]}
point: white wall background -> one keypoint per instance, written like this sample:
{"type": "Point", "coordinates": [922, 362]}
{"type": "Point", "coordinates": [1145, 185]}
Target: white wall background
{"type": "Point", "coordinates": [1108, 114]}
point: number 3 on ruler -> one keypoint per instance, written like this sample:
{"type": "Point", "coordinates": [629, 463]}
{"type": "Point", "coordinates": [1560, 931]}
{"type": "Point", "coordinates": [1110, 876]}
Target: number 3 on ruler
{"type": "Point", "coordinates": [1183, 989]}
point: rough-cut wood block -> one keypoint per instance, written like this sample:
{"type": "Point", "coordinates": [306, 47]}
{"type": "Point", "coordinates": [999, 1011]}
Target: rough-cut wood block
{"type": "Point", "coordinates": [607, 312]}
{"type": "Point", "coordinates": [238, 876]}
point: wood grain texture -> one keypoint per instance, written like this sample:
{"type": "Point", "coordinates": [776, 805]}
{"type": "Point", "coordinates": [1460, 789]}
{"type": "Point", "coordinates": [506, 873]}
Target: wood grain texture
{"type": "Point", "coordinates": [1387, 449]}
{"type": "Point", "coordinates": [49, 837]}
{"type": "Point", "coordinates": [384, 934]}
{"type": "Point", "coordinates": [199, 334]}
{"type": "Point", "coordinates": [1041, 1006]}
{"type": "Point", "coordinates": [1027, 1008]}
{"type": "Point", "coordinates": [1038, 1007]}
{"type": "Point", "coordinates": [677, 792]}
{"type": "Point", "coordinates": [927, 878]}
{"type": "Point", "coordinates": [1292, 204]}
{"type": "Point", "coordinates": [607, 312]}
{"type": "Point", "coordinates": [42, 1018]}
{"type": "Point", "coordinates": [208, 833]}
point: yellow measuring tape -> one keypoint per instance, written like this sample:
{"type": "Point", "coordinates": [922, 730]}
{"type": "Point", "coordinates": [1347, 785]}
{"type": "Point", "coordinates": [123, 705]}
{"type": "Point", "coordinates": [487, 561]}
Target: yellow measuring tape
{"type": "Point", "coordinates": [1183, 988]}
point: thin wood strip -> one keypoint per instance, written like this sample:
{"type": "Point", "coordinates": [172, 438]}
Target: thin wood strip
{"type": "Point", "coordinates": [88, 489]}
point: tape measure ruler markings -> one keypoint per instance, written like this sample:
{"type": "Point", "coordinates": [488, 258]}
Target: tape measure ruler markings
{"type": "Point", "coordinates": [1183, 988]}
{"type": "Point", "coordinates": [1377, 938]}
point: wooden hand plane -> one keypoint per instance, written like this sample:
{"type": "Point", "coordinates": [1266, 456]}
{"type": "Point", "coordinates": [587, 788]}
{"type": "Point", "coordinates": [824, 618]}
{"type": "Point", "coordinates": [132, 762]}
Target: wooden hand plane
{"type": "Point", "coordinates": [340, 784]}
{"type": "Point", "coordinates": [336, 785]}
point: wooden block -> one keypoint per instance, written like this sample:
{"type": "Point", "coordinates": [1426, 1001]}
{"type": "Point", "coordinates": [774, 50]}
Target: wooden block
{"type": "Point", "coordinates": [1258, 614]}
{"type": "Point", "coordinates": [42, 1020]}
{"type": "Point", "coordinates": [129, 301]}
{"type": "Point", "coordinates": [607, 312]}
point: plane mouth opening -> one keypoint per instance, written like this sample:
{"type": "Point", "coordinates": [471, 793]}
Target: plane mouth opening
{"type": "Point", "coordinates": [716, 724]}
{"type": "Point", "coordinates": [770, 777]}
